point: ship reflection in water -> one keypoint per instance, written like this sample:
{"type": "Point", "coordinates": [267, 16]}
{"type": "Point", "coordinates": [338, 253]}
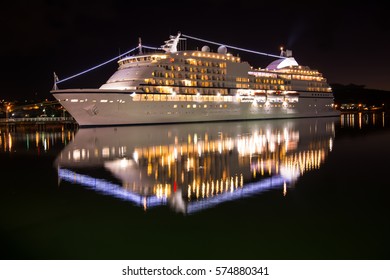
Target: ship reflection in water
{"type": "Point", "coordinates": [192, 167]}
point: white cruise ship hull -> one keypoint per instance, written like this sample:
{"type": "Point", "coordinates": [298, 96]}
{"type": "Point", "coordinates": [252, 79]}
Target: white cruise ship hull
{"type": "Point", "coordinates": [118, 107]}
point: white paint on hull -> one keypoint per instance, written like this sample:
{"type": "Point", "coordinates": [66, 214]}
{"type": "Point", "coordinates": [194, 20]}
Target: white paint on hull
{"type": "Point", "coordinates": [120, 109]}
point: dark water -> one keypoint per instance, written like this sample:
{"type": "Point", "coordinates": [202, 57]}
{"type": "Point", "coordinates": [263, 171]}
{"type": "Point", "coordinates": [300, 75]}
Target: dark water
{"type": "Point", "coordinates": [283, 189]}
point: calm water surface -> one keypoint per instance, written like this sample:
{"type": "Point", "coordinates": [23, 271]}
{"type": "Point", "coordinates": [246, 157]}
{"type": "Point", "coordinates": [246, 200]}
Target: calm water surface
{"type": "Point", "coordinates": [281, 189]}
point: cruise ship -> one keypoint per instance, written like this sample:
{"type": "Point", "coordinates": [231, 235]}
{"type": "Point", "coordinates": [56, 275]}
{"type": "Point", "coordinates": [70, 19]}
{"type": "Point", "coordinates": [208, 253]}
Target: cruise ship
{"type": "Point", "coordinates": [169, 85]}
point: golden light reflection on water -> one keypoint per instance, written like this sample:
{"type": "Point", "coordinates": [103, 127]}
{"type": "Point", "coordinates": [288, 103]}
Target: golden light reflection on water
{"type": "Point", "coordinates": [174, 163]}
{"type": "Point", "coordinates": [362, 119]}
{"type": "Point", "coordinates": [33, 141]}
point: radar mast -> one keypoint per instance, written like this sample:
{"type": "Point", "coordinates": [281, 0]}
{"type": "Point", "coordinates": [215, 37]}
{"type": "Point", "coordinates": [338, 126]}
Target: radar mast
{"type": "Point", "coordinates": [171, 44]}
{"type": "Point", "coordinates": [139, 45]}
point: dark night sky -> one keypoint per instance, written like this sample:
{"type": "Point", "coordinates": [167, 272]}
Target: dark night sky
{"type": "Point", "coordinates": [347, 43]}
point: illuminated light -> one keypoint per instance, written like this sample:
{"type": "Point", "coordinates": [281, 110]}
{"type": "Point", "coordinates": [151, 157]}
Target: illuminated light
{"type": "Point", "coordinates": [272, 147]}
{"type": "Point", "coordinates": [199, 150]}
{"type": "Point", "coordinates": [167, 190]}
{"type": "Point", "coordinates": [145, 204]}
{"type": "Point", "coordinates": [76, 155]}
{"type": "Point", "coordinates": [149, 169]}
{"type": "Point", "coordinates": [9, 141]}
{"type": "Point", "coordinates": [83, 153]}
{"type": "Point", "coordinates": [105, 152]}
{"type": "Point", "coordinates": [124, 163]}
{"type": "Point", "coordinates": [220, 147]}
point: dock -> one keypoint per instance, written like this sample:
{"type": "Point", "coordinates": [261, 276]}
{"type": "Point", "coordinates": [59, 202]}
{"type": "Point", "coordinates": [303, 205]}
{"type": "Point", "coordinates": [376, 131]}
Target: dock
{"type": "Point", "coordinates": [38, 123]}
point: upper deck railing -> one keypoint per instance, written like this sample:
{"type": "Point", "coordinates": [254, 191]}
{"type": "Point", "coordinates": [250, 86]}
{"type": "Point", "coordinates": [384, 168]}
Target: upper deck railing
{"type": "Point", "coordinates": [37, 120]}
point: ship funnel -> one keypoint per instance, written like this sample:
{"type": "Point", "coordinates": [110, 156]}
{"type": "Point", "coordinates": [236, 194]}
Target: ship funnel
{"type": "Point", "coordinates": [139, 45]}
{"type": "Point", "coordinates": [285, 53]}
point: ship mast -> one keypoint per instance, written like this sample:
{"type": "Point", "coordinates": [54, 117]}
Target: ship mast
{"type": "Point", "coordinates": [139, 45]}
{"type": "Point", "coordinates": [171, 44]}
{"type": "Point", "coordinates": [55, 87]}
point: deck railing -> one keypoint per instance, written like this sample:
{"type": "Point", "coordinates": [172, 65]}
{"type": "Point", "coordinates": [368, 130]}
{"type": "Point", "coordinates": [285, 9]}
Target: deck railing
{"type": "Point", "coordinates": [37, 119]}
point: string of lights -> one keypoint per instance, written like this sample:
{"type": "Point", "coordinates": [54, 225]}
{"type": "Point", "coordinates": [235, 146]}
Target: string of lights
{"type": "Point", "coordinates": [232, 47]}
{"type": "Point", "coordinates": [152, 48]}
{"type": "Point", "coordinates": [95, 67]}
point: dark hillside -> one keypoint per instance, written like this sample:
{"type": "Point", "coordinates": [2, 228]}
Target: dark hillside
{"type": "Point", "coordinates": [358, 94]}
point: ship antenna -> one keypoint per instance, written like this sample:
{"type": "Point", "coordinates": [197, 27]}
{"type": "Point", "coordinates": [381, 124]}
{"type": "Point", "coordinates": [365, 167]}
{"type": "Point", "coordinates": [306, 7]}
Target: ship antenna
{"type": "Point", "coordinates": [139, 45]}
